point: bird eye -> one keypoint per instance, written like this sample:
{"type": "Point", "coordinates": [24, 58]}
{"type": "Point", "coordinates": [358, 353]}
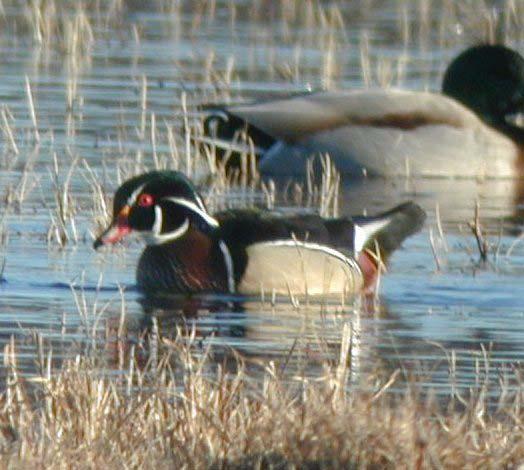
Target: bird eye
{"type": "Point", "coordinates": [145, 200]}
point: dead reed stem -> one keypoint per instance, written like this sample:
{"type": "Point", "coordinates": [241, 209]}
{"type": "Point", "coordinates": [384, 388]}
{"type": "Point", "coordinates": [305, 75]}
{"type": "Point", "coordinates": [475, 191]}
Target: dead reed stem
{"type": "Point", "coordinates": [476, 229]}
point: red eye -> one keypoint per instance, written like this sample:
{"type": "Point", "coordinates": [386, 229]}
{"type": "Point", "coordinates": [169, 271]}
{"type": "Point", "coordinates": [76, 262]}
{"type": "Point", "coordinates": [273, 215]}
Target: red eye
{"type": "Point", "coordinates": [145, 200]}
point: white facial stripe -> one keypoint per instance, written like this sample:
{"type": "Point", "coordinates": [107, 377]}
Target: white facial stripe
{"type": "Point", "coordinates": [200, 202]}
{"type": "Point", "coordinates": [194, 207]}
{"type": "Point", "coordinates": [157, 226]}
{"type": "Point", "coordinates": [132, 199]}
{"type": "Point", "coordinates": [228, 261]}
{"type": "Point", "coordinates": [156, 237]}
{"type": "Point", "coordinates": [153, 238]}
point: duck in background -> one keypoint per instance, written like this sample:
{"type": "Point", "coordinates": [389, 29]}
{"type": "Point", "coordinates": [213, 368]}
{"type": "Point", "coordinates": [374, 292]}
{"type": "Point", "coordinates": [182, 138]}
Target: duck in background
{"type": "Point", "coordinates": [248, 251]}
{"type": "Point", "coordinates": [463, 132]}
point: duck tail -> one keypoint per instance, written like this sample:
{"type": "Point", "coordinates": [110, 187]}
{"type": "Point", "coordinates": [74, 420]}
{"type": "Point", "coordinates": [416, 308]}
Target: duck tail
{"type": "Point", "coordinates": [232, 136]}
{"type": "Point", "coordinates": [388, 230]}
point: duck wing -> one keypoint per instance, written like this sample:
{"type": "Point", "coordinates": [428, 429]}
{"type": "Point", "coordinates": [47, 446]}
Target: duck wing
{"type": "Point", "coordinates": [378, 132]}
{"type": "Point", "coordinates": [287, 254]}
{"type": "Point", "coordinates": [290, 252]}
{"type": "Point", "coordinates": [296, 118]}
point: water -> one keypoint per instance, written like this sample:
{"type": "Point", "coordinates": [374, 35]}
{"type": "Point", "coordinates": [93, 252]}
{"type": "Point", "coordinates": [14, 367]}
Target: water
{"type": "Point", "coordinates": [89, 98]}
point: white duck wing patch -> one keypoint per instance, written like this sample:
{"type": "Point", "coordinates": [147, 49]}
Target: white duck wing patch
{"type": "Point", "coordinates": [363, 233]}
{"type": "Point", "coordinates": [298, 268]}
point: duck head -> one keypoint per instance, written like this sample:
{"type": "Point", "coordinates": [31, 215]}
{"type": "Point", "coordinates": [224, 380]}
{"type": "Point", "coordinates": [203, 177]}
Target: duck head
{"type": "Point", "coordinates": [489, 79]}
{"type": "Point", "coordinates": [161, 206]}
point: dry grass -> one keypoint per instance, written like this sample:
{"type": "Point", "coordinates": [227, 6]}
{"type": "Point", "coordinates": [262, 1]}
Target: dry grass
{"type": "Point", "coordinates": [172, 407]}
{"type": "Point", "coordinates": [181, 411]}
{"type": "Point", "coordinates": [148, 139]}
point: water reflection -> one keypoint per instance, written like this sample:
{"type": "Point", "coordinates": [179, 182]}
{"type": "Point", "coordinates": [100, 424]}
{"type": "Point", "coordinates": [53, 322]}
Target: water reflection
{"type": "Point", "coordinates": [500, 199]}
{"type": "Point", "coordinates": [299, 343]}
{"type": "Point", "coordinates": [301, 339]}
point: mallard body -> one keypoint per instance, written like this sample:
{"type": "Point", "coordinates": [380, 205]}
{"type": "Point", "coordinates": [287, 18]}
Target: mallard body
{"type": "Point", "coordinates": [463, 132]}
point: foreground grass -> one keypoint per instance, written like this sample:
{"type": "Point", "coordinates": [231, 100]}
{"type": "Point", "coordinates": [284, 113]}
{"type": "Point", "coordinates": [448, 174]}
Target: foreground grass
{"type": "Point", "coordinates": [180, 412]}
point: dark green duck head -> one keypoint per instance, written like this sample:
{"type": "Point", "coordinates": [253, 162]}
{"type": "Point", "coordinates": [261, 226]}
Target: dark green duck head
{"type": "Point", "coordinates": [488, 79]}
{"type": "Point", "coordinates": [161, 206]}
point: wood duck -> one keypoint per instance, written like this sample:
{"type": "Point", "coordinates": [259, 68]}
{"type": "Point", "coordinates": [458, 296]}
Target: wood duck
{"type": "Point", "coordinates": [246, 251]}
{"type": "Point", "coordinates": [462, 132]}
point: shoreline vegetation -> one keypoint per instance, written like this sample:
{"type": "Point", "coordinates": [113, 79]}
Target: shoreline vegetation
{"type": "Point", "coordinates": [178, 409]}
{"type": "Point", "coordinates": [167, 403]}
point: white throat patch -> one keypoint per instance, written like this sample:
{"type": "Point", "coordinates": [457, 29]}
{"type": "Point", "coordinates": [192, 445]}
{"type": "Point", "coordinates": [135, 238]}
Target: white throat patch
{"type": "Point", "coordinates": [155, 237]}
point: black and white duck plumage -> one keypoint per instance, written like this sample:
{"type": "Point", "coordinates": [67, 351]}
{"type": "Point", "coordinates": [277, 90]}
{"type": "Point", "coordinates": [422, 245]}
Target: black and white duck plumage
{"type": "Point", "coordinates": [245, 251]}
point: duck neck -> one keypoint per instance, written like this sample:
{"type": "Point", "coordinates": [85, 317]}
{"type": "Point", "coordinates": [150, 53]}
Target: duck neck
{"type": "Point", "coordinates": [514, 132]}
{"type": "Point", "coordinates": [190, 264]}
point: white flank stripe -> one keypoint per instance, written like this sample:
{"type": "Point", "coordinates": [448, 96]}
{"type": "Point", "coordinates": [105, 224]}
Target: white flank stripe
{"type": "Point", "coordinates": [313, 246]}
{"type": "Point", "coordinates": [296, 267]}
{"type": "Point", "coordinates": [228, 261]}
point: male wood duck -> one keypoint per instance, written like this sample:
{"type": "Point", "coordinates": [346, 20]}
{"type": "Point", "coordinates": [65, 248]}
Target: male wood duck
{"type": "Point", "coordinates": [246, 251]}
{"type": "Point", "coordinates": [462, 132]}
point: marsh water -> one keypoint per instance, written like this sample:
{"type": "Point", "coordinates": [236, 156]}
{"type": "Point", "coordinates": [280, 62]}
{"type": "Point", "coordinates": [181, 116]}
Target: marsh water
{"type": "Point", "coordinates": [111, 91]}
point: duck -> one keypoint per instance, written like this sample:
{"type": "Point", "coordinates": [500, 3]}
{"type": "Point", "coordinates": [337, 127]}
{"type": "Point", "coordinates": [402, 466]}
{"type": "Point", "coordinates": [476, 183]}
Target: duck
{"type": "Point", "coordinates": [465, 131]}
{"type": "Point", "coordinates": [248, 251]}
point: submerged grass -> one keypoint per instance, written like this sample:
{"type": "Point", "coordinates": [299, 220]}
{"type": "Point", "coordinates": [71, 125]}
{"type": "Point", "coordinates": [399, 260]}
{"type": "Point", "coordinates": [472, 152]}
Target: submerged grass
{"type": "Point", "coordinates": [181, 411]}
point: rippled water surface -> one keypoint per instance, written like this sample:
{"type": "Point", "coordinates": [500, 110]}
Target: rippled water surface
{"type": "Point", "coordinates": [114, 92]}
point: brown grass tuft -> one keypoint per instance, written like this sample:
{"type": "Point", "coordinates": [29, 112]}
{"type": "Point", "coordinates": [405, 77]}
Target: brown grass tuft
{"type": "Point", "coordinates": [183, 412]}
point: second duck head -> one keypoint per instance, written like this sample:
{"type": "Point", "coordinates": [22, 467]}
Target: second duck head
{"type": "Point", "coordinates": [488, 79]}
